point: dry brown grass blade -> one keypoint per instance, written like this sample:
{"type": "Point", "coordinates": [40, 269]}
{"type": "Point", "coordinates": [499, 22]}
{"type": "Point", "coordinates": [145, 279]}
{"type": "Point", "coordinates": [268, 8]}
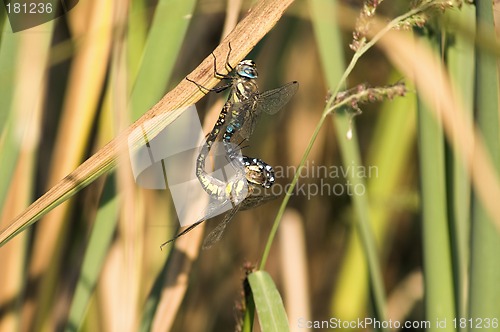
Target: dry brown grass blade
{"type": "Point", "coordinates": [294, 266]}
{"type": "Point", "coordinates": [86, 79]}
{"type": "Point", "coordinates": [121, 276]}
{"type": "Point", "coordinates": [243, 38]}
{"type": "Point", "coordinates": [185, 252]}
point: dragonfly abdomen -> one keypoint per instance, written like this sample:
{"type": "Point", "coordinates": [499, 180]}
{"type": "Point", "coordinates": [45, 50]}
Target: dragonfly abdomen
{"type": "Point", "coordinates": [212, 187]}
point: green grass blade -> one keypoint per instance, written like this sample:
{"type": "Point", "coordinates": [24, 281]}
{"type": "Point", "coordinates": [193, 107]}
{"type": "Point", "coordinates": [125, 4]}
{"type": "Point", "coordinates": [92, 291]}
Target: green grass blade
{"type": "Point", "coordinates": [249, 316]}
{"type": "Point", "coordinates": [351, 158]}
{"type": "Point", "coordinates": [170, 23]}
{"type": "Point", "coordinates": [334, 65]}
{"type": "Point", "coordinates": [438, 271]}
{"type": "Point", "coordinates": [9, 45]}
{"type": "Point", "coordinates": [485, 269]}
{"type": "Point", "coordinates": [460, 63]}
{"type": "Point", "coordinates": [9, 149]}
{"type": "Point", "coordinates": [3, 18]}
{"type": "Point", "coordinates": [270, 309]}
{"type": "Point", "coordinates": [97, 249]}
{"type": "Point", "coordinates": [9, 152]}
{"type": "Point", "coordinates": [390, 153]}
{"type": "Point", "coordinates": [136, 33]}
{"type": "Point", "coordinates": [152, 300]}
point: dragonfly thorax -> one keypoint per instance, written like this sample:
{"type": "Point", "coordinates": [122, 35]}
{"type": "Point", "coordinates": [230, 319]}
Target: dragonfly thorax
{"type": "Point", "coordinates": [247, 69]}
{"type": "Point", "coordinates": [244, 90]}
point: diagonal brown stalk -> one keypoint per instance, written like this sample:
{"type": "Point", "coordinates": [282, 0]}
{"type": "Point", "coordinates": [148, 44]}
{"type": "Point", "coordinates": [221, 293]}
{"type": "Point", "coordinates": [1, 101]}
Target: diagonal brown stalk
{"type": "Point", "coordinates": [243, 38]}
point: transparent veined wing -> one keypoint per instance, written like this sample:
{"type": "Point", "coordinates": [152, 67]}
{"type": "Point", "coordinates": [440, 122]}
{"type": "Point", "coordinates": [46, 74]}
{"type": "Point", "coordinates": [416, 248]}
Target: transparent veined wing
{"type": "Point", "coordinates": [216, 234]}
{"type": "Point", "coordinates": [212, 210]}
{"type": "Point", "coordinates": [272, 101]}
{"type": "Point", "coordinates": [269, 102]}
{"type": "Point", "coordinates": [258, 197]}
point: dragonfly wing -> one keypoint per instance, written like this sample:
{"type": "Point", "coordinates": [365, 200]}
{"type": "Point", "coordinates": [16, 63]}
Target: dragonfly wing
{"type": "Point", "coordinates": [246, 130]}
{"type": "Point", "coordinates": [254, 200]}
{"type": "Point", "coordinates": [216, 234]}
{"type": "Point", "coordinates": [249, 202]}
{"type": "Point", "coordinates": [272, 101]}
{"type": "Point", "coordinates": [212, 210]}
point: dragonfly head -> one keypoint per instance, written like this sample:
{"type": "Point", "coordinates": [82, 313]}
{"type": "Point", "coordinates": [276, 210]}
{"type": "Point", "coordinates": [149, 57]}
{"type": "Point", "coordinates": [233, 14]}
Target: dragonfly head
{"type": "Point", "coordinates": [247, 69]}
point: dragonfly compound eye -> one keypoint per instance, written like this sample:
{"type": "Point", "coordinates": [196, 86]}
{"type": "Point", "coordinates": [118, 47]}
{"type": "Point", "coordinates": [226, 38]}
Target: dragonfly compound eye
{"type": "Point", "coordinates": [247, 69]}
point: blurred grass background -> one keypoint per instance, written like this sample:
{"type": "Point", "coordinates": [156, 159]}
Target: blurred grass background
{"type": "Point", "coordinates": [93, 263]}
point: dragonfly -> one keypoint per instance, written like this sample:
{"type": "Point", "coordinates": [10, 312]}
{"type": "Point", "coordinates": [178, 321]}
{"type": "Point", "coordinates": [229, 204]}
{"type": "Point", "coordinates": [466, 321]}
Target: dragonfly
{"type": "Point", "coordinates": [244, 105]}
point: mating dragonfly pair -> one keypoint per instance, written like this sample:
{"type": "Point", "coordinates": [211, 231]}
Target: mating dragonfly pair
{"type": "Point", "coordinates": [248, 187]}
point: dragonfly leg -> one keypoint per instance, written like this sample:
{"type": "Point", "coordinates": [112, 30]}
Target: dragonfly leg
{"type": "Point", "coordinates": [207, 90]}
{"type": "Point", "coordinates": [199, 86]}
{"type": "Point", "coordinates": [229, 68]}
{"type": "Point", "coordinates": [216, 73]}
